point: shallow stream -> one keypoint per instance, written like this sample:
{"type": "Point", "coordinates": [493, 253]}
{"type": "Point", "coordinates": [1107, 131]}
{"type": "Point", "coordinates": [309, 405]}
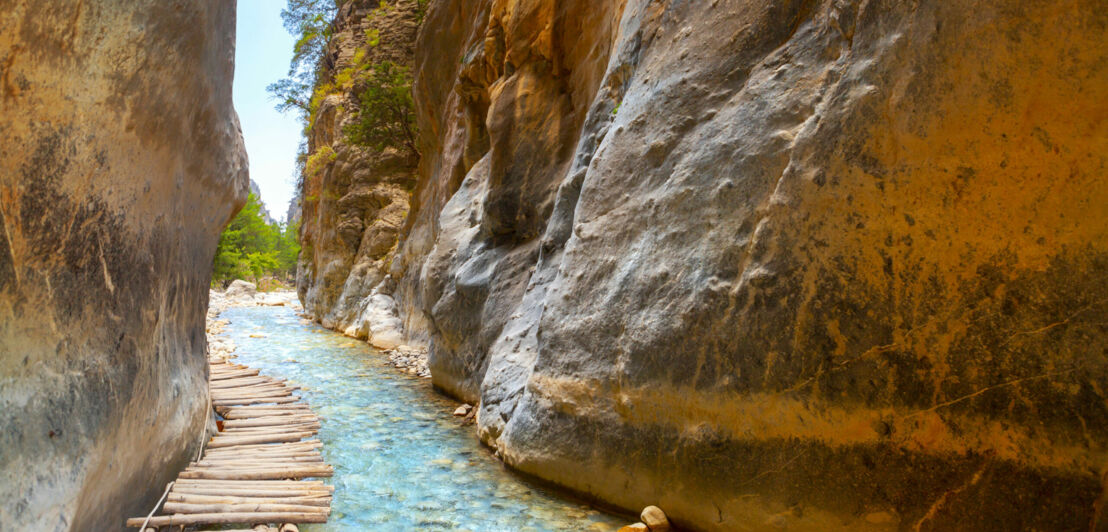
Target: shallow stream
{"type": "Point", "coordinates": [401, 460]}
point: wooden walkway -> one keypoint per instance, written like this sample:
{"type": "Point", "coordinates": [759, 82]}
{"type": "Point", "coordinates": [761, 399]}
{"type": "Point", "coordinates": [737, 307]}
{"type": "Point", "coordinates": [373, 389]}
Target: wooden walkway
{"type": "Point", "coordinates": [253, 471]}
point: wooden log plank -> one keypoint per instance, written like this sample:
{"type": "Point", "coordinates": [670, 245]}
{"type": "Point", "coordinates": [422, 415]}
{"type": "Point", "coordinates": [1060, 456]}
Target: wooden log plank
{"type": "Point", "coordinates": [251, 492]}
{"type": "Point", "coordinates": [307, 444]}
{"type": "Point", "coordinates": [248, 485]}
{"type": "Point", "coordinates": [234, 374]}
{"type": "Point", "coordinates": [311, 453]}
{"type": "Point", "coordinates": [307, 451]}
{"type": "Point", "coordinates": [268, 410]}
{"type": "Point", "coordinates": [247, 381]}
{"type": "Point", "coordinates": [247, 488]}
{"type": "Point", "coordinates": [230, 452]}
{"type": "Point", "coordinates": [309, 500]}
{"type": "Point", "coordinates": [230, 518]}
{"type": "Point", "coordinates": [259, 458]}
{"type": "Point", "coordinates": [289, 439]}
{"type": "Point", "coordinates": [231, 441]}
{"type": "Point", "coordinates": [259, 474]}
{"type": "Point", "coordinates": [294, 466]}
{"type": "Point", "coordinates": [191, 508]}
{"type": "Point", "coordinates": [291, 483]}
{"type": "Point", "coordinates": [237, 433]}
{"type": "Point", "coordinates": [256, 401]}
{"type": "Point", "coordinates": [227, 366]}
{"type": "Point", "coordinates": [223, 363]}
{"type": "Point", "coordinates": [260, 464]}
{"type": "Point", "coordinates": [291, 420]}
{"type": "Point", "coordinates": [268, 420]}
{"type": "Point", "coordinates": [242, 392]}
{"type": "Point", "coordinates": [230, 414]}
{"type": "Point", "coordinates": [260, 410]}
{"type": "Point", "coordinates": [237, 396]}
{"type": "Point", "coordinates": [312, 486]}
{"type": "Point", "coordinates": [260, 387]}
{"type": "Point", "coordinates": [291, 427]}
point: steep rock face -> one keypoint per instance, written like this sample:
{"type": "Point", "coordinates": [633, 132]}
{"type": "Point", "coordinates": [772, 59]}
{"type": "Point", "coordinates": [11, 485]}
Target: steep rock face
{"type": "Point", "coordinates": [354, 201]}
{"type": "Point", "coordinates": [813, 265]}
{"type": "Point", "coordinates": [120, 160]}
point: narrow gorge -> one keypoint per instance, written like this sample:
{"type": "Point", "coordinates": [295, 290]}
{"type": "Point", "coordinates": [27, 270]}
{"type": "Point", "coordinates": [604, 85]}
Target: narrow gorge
{"type": "Point", "coordinates": [803, 265]}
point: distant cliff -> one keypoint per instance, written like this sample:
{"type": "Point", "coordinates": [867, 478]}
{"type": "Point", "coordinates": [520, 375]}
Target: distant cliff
{"type": "Point", "coordinates": [120, 161]}
{"type": "Point", "coordinates": [807, 265]}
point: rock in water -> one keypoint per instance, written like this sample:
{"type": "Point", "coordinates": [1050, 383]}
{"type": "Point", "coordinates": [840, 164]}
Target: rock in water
{"type": "Point", "coordinates": [462, 411]}
{"type": "Point", "coordinates": [239, 289]}
{"type": "Point", "coordinates": [120, 162]}
{"type": "Point", "coordinates": [654, 518]}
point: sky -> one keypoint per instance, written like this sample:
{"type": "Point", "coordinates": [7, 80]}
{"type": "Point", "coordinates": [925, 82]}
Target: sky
{"type": "Point", "coordinates": [262, 55]}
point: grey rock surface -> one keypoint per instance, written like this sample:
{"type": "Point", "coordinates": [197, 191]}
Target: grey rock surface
{"type": "Point", "coordinates": [819, 265]}
{"type": "Point", "coordinates": [806, 265]}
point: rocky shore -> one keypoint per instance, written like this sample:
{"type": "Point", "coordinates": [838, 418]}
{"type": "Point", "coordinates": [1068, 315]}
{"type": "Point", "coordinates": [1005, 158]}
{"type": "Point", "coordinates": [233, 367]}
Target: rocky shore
{"type": "Point", "coordinates": [410, 359]}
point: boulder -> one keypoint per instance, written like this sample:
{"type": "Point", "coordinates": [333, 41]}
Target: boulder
{"type": "Point", "coordinates": [239, 290]}
{"type": "Point", "coordinates": [654, 518]}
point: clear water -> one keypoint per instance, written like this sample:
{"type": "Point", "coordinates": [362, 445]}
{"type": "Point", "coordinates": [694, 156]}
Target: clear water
{"type": "Point", "coordinates": [401, 460]}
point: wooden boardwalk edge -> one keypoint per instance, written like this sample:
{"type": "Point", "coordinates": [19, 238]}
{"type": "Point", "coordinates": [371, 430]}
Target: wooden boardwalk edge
{"type": "Point", "coordinates": [253, 471]}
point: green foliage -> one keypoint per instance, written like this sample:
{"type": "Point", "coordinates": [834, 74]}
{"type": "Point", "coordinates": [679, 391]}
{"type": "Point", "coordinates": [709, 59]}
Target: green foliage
{"type": "Point", "coordinates": [421, 10]}
{"type": "Point", "coordinates": [372, 39]}
{"type": "Point", "coordinates": [386, 116]}
{"type": "Point", "coordinates": [310, 22]}
{"type": "Point", "coordinates": [250, 248]}
{"type": "Point", "coordinates": [319, 159]}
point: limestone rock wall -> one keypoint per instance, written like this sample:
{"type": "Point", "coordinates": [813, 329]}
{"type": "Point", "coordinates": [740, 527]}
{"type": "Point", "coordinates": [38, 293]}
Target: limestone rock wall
{"type": "Point", "coordinates": [120, 161]}
{"type": "Point", "coordinates": [353, 202]}
{"type": "Point", "coordinates": [810, 264]}
{"type": "Point", "coordinates": [807, 264]}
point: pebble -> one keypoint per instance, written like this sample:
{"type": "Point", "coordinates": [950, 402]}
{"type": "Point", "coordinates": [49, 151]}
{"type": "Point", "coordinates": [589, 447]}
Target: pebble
{"type": "Point", "coordinates": [463, 410]}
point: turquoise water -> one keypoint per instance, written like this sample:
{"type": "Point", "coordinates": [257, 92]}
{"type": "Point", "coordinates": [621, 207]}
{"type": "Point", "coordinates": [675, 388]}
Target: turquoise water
{"type": "Point", "coordinates": [401, 460]}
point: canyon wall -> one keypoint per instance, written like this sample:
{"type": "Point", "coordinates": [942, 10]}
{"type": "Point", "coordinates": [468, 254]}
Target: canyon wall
{"type": "Point", "coordinates": [807, 264]}
{"type": "Point", "coordinates": [120, 161]}
{"type": "Point", "coordinates": [354, 199]}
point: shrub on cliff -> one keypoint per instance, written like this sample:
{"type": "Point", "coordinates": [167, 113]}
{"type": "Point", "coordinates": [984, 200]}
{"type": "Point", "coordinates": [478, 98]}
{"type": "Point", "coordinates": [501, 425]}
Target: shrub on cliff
{"type": "Point", "coordinates": [385, 115]}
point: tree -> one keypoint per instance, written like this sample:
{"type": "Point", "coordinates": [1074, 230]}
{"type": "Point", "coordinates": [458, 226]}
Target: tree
{"type": "Point", "coordinates": [251, 248]}
{"type": "Point", "coordinates": [310, 22]}
{"type": "Point", "coordinates": [385, 116]}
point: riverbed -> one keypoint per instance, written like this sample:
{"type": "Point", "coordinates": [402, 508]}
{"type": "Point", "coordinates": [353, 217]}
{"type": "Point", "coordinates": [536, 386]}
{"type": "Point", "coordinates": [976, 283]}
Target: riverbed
{"type": "Point", "coordinates": [401, 460]}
